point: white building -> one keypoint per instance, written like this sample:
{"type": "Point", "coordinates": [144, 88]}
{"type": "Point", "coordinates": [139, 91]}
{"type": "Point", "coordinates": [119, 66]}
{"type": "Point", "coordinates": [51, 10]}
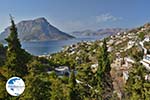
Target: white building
{"type": "Point", "coordinates": [110, 42]}
{"type": "Point", "coordinates": [125, 76]}
{"type": "Point", "coordinates": [128, 61]}
{"type": "Point", "coordinates": [147, 77]}
{"type": "Point", "coordinates": [94, 67]}
{"type": "Point", "coordinates": [146, 61]}
{"type": "Point", "coordinates": [62, 70]}
{"type": "Point", "coordinates": [147, 39]}
{"type": "Point", "coordinates": [110, 49]}
{"type": "Point", "coordinates": [130, 44]}
{"type": "Point", "coordinates": [147, 58]}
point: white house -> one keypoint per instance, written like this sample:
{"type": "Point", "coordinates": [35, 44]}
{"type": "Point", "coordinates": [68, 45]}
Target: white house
{"type": "Point", "coordinates": [146, 61]}
{"type": "Point", "coordinates": [147, 77]}
{"type": "Point", "coordinates": [125, 67]}
{"type": "Point", "coordinates": [147, 39]}
{"type": "Point", "coordinates": [129, 60]}
{"type": "Point", "coordinates": [62, 70]}
{"type": "Point", "coordinates": [125, 76]}
{"type": "Point", "coordinates": [130, 44]}
{"type": "Point", "coordinates": [110, 42]}
{"type": "Point", "coordinates": [118, 33]}
{"type": "Point", "coordinates": [94, 67]}
{"type": "Point", "coordinates": [147, 58]}
{"type": "Point", "coordinates": [110, 49]}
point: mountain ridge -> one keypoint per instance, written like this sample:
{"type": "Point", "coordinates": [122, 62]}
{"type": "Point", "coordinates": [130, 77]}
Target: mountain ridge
{"type": "Point", "coordinates": [103, 31]}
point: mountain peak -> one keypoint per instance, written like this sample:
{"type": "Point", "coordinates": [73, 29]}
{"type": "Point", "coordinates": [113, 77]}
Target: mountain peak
{"type": "Point", "coordinates": [42, 19]}
{"type": "Point", "coordinates": [38, 30]}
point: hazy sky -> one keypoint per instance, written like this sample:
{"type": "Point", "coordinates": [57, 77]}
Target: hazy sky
{"type": "Point", "coordinates": [71, 15]}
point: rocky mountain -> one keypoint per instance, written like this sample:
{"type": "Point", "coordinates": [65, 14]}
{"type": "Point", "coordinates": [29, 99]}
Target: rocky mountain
{"type": "Point", "coordinates": [106, 31]}
{"type": "Point", "coordinates": [37, 30]}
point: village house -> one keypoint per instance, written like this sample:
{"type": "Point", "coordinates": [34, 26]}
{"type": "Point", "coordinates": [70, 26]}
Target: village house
{"type": "Point", "coordinates": [128, 63]}
{"type": "Point", "coordinates": [123, 65]}
{"type": "Point", "coordinates": [110, 42]}
{"type": "Point", "coordinates": [94, 67]}
{"type": "Point", "coordinates": [118, 42]}
{"type": "Point", "coordinates": [146, 61]}
{"type": "Point", "coordinates": [130, 44]}
{"type": "Point", "coordinates": [147, 77]}
{"type": "Point", "coordinates": [147, 39]}
{"type": "Point", "coordinates": [110, 49]}
{"type": "Point", "coordinates": [62, 70]}
{"type": "Point", "coordinates": [117, 63]}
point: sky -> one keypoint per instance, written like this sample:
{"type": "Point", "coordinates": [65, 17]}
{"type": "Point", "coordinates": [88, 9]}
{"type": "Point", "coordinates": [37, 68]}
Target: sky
{"type": "Point", "coordinates": [78, 15]}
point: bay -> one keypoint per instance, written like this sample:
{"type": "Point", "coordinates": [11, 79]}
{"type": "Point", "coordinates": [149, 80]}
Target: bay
{"type": "Point", "coordinates": [48, 47]}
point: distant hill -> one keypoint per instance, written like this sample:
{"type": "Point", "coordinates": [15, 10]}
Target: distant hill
{"type": "Point", "coordinates": [107, 31]}
{"type": "Point", "coordinates": [36, 30]}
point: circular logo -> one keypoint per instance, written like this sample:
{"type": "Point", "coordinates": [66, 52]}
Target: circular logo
{"type": "Point", "coordinates": [15, 86]}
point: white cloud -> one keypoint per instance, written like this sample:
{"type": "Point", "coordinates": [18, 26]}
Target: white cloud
{"type": "Point", "coordinates": [87, 23]}
{"type": "Point", "coordinates": [107, 17]}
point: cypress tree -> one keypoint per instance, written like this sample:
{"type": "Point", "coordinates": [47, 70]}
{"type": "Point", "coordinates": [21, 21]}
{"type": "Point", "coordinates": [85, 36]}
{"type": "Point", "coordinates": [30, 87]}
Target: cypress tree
{"type": "Point", "coordinates": [105, 58]}
{"type": "Point", "coordinates": [104, 81]}
{"type": "Point", "coordinates": [72, 79]}
{"type": "Point", "coordinates": [72, 84]}
{"type": "Point", "coordinates": [16, 57]}
{"type": "Point", "coordinates": [73, 93]}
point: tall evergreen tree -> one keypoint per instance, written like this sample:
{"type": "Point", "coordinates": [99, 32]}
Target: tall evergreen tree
{"type": "Point", "coordinates": [72, 79]}
{"type": "Point", "coordinates": [73, 93]}
{"type": "Point", "coordinates": [104, 61]}
{"type": "Point", "coordinates": [37, 82]}
{"type": "Point", "coordinates": [16, 57]}
{"type": "Point", "coordinates": [2, 54]}
{"type": "Point", "coordinates": [104, 81]}
{"type": "Point", "coordinates": [72, 84]}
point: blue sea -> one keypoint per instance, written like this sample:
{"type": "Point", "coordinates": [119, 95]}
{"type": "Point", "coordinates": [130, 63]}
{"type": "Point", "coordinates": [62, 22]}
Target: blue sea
{"type": "Point", "coordinates": [54, 46]}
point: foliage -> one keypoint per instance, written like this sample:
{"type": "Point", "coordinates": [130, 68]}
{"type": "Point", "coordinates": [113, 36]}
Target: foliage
{"type": "Point", "coordinates": [73, 93]}
{"type": "Point", "coordinates": [136, 53]}
{"type": "Point", "coordinates": [137, 87]}
{"type": "Point", "coordinates": [2, 54]}
{"type": "Point", "coordinates": [36, 89]}
{"type": "Point", "coordinates": [3, 93]}
{"type": "Point", "coordinates": [57, 90]}
{"type": "Point", "coordinates": [141, 36]}
{"type": "Point", "coordinates": [104, 82]}
{"type": "Point", "coordinates": [16, 56]}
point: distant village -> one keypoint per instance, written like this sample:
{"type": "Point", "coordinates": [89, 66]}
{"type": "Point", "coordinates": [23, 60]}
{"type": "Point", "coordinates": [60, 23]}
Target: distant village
{"type": "Point", "coordinates": [117, 44]}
